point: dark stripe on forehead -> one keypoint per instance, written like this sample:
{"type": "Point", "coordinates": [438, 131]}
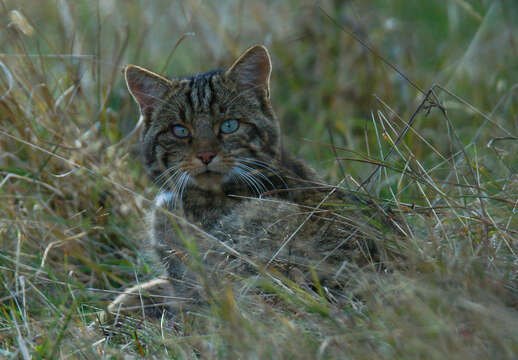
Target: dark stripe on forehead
{"type": "Point", "coordinates": [195, 100]}
{"type": "Point", "coordinates": [200, 94]}
{"type": "Point", "coordinates": [213, 93]}
{"type": "Point", "coordinates": [188, 100]}
{"type": "Point", "coordinates": [207, 95]}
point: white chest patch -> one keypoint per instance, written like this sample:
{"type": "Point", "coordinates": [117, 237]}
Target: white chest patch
{"type": "Point", "coordinates": [164, 198]}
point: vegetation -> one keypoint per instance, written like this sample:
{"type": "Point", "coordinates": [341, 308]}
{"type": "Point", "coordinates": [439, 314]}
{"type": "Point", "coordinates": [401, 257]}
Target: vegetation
{"type": "Point", "coordinates": [418, 94]}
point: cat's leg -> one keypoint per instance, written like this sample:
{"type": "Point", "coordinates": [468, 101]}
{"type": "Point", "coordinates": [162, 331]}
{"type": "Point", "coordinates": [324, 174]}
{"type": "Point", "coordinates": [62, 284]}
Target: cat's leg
{"type": "Point", "coordinates": [170, 238]}
{"type": "Point", "coordinates": [162, 294]}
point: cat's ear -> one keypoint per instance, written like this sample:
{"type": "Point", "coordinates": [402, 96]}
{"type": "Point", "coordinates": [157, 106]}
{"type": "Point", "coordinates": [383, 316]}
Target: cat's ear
{"type": "Point", "coordinates": [146, 87]}
{"type": "Point", "coordinates": [252, 70]}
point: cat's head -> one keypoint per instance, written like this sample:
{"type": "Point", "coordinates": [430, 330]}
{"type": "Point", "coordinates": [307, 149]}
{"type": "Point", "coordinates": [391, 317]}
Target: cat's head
{"type": "Point", "coordinates": [209, 129]}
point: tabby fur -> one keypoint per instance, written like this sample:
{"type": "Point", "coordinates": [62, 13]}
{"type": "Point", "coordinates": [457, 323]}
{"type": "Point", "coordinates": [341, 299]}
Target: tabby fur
{"type": "Point", "coordinates": [233, 205]}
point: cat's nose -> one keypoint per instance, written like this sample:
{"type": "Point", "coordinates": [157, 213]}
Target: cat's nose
{"type": "Point", "coordinates": [206, 156]}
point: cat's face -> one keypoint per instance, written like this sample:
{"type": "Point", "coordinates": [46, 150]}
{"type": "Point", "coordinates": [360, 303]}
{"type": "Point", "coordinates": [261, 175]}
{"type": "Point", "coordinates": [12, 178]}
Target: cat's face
{"type": "Point", "coordinates": [209, 129]}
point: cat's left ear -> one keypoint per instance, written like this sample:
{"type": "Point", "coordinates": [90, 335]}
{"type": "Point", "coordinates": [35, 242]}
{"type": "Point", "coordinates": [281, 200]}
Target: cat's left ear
{"type": "Point", "coordinates": [146, 87]}
{"type": "Point", "coordinates": [252, 70]}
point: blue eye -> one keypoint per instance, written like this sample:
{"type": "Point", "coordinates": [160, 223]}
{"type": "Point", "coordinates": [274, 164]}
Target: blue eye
{"type": "Point", "coordinates": [180, 131]}
{"type": "Point", "coordinates": [229, 126]}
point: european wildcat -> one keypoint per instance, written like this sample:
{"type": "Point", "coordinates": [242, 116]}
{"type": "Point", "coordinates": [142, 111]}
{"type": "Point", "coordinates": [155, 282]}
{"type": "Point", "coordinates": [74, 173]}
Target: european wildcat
{"type": "Point", "coordinates": [213, 144]}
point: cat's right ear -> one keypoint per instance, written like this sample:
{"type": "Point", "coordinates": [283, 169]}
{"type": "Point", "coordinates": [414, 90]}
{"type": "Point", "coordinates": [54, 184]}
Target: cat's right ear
{"type": "Point", "coordinates": [252, 70]}
{"type": "Point", "coordinates": [147, 88]}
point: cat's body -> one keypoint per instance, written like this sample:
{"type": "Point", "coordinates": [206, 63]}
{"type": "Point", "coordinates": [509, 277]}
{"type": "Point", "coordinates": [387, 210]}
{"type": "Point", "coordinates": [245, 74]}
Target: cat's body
{"type": "Point", "coordinates": [229, 194]}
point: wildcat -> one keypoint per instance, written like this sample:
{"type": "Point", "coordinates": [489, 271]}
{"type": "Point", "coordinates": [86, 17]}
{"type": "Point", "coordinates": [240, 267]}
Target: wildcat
{"type": "Point", "coordinates": [232, 203]}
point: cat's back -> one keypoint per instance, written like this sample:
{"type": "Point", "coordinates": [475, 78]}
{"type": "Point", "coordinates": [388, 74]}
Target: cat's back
{"type": "Point", "coordinates": [313, 233]}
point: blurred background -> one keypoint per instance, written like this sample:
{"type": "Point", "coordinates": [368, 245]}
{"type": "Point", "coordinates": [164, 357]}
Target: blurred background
{"type": "Point", "coordinates": [347, 77]}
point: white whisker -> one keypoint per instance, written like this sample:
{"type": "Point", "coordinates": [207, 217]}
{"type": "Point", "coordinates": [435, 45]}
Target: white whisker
{"type": "Point", "coordinates": [177, 188]}
{"type": "Point", "coordinates": [242, 175]}
{"type": "Point", "coordinates": [164, 173]}
{"type": "Point", "coordinates": [264, 166]}
{"type": "Point", "coordinates": [249, 179]}
{"type": "Point", "coordinates": [251, 171]}
{"type": "Point", "coordinates": [171, 179]}
{"type": "Point", "coordinates": [184, 185]}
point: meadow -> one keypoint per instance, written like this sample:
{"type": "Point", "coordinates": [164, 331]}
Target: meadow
{"type": "Point", "coordinates": [412, 103]}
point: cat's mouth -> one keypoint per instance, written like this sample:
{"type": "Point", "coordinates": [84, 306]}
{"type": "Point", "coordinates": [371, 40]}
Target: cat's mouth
{"type": "Point", "coordinates": [207, 172]}
{"type": "Point", "coordinates": [210, 176]}
{"type": "Point", "coordinates": [209, 180]}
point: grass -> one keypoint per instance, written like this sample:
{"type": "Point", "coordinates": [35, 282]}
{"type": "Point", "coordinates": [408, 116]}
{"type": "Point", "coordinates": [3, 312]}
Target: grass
{"type": "Point", "coordinates": [74, 196]}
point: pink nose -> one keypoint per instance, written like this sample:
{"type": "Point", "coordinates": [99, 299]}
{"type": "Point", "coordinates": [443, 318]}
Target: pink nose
{"type": "Point", "coordinates": [206, 156]}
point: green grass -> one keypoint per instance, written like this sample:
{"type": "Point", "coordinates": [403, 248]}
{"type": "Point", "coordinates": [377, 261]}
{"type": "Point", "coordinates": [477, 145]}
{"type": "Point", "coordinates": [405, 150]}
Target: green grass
{"type": "Point", "coordinates": [73, 195]}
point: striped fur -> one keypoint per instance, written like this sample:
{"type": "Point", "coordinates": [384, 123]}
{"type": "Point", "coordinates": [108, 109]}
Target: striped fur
{"type": "Point", "coordinates": [248, 162]}
{"type": "Point", "coordinates": [201, 103]}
